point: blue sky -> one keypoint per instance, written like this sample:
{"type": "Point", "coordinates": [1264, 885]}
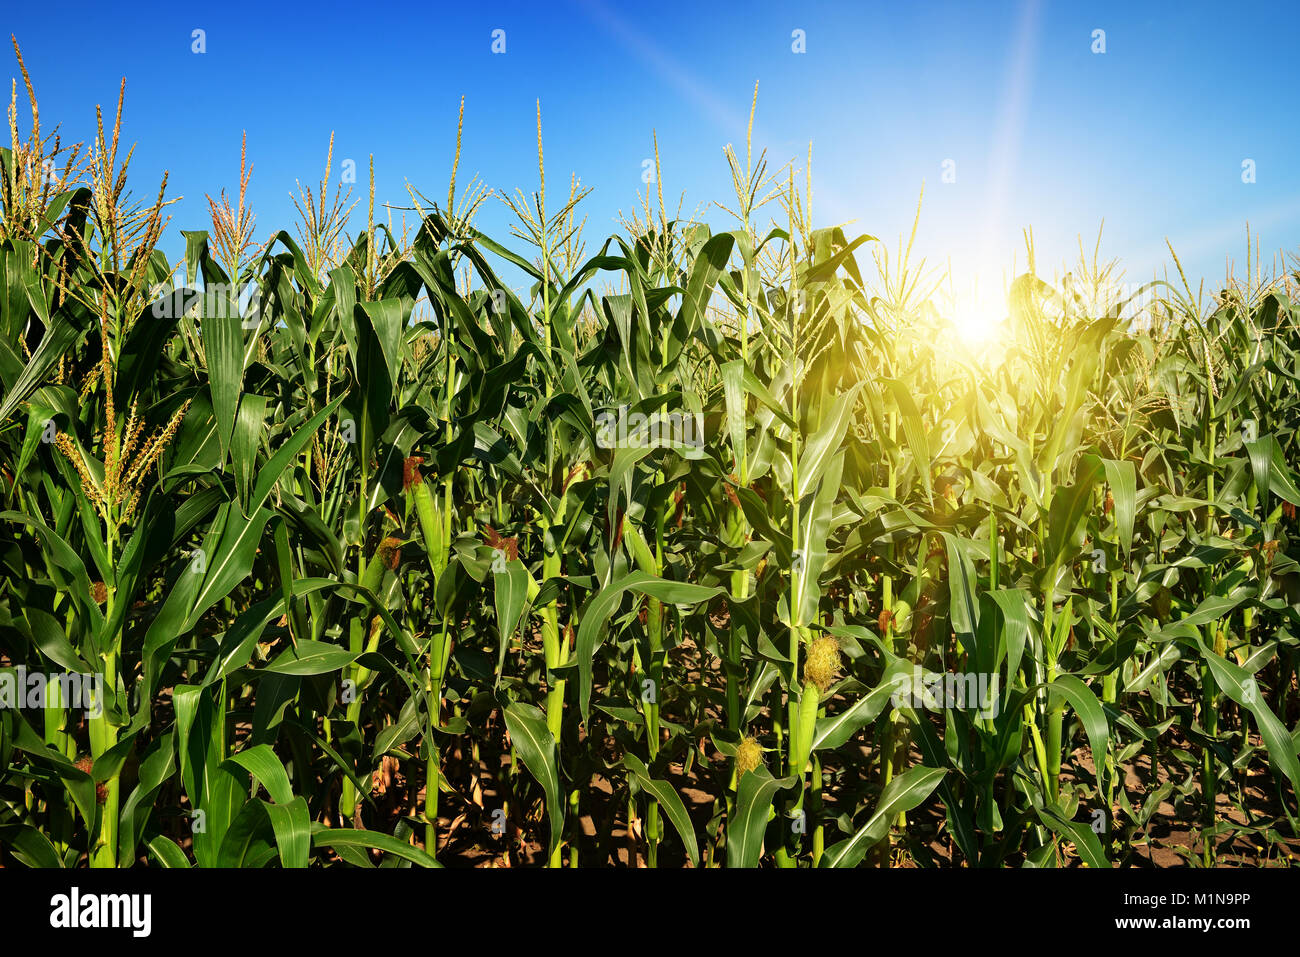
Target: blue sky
{"type": "Point", "coordinates": [1042, 132]}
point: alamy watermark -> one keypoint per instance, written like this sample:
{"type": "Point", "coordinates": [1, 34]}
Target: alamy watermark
{"type": "Point", "coordinates": [75, 910]}
{"type": "Point", "coordinates": [20, 688]}
{"type": "Point", "coordinates": [624, 430]}
{"type": "Point", "coordinates": [217, 300]}
{"type": "Point", "coordinates": [936, 690]}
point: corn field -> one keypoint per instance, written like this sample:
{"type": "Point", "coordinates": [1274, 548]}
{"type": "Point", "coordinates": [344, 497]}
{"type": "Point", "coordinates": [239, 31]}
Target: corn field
{"type": "Point", "coordinates": [361, 544]}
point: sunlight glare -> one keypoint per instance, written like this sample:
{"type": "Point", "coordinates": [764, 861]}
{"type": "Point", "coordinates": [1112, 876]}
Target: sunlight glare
{"type": "Point", "coordinates": [977, 323]}
{"type": "Point", "coordinates": [977, 310]}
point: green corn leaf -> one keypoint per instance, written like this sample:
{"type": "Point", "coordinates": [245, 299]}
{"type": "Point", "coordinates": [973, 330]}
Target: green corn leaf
{"type": "Point", "coordinates": [669, 800]}
{"type": "Point", "coordinates": [1122, 478]}
{"type": "Point", "coordinates": [536, 746]}
{"type": "Point", "coordinates": [753, 805]}
{"type": "Point", "coordinates": [901, 794]}
{"type": "Point", "coordinates": [322, 836]}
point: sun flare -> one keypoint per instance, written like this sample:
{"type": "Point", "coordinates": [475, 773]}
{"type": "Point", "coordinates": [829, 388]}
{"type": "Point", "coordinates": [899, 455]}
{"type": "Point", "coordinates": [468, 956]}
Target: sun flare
{"type": "Point", "coordinates": [977, 311]}
{"type": "Point", "coordinates": [978, 323]}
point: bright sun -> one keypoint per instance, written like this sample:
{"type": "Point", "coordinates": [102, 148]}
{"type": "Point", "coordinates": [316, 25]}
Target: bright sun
{"type": "Point", "coordinates": [977, 309]}
{"type": "Point", "coordinates": [977, 323]}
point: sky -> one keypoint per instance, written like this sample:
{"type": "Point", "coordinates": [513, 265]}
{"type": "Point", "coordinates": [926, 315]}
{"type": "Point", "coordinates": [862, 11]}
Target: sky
{"type": "Point", "coordinates": [1010, 115]}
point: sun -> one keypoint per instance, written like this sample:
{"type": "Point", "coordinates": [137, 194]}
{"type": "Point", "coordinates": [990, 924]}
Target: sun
{"type": "Point", "coordinates": [978, 323]}
{"type": "Point", "coordinates": [977, 312]}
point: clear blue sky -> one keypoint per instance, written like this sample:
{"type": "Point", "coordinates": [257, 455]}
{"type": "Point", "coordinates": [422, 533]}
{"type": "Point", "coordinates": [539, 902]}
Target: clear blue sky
{"type": "Point", "coordinates": [1043, 132]}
